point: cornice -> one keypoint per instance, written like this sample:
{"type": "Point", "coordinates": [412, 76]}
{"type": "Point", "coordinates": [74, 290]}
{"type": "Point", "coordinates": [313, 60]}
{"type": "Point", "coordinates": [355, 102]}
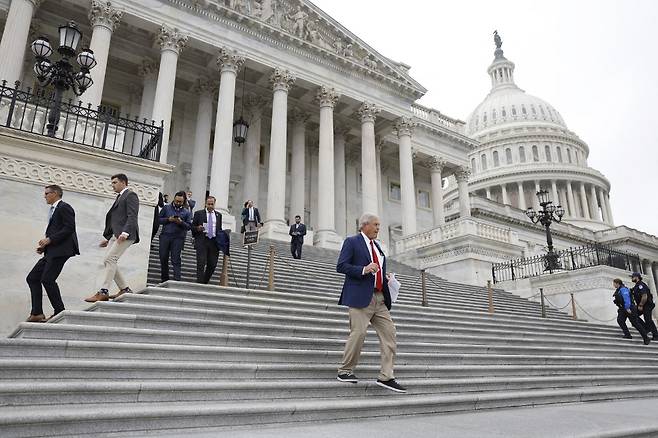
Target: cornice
{"type": "Point", "coordinates": [442, 131]}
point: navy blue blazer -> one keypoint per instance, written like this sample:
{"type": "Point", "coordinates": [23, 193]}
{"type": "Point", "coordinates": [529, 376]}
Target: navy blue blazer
{"type": "Point", "coordinates": [358, 288]}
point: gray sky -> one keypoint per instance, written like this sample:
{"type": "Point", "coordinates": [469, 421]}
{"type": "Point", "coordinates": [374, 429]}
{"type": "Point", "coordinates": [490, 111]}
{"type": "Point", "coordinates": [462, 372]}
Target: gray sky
{"type": "Point", "coordinates": [595, 61]}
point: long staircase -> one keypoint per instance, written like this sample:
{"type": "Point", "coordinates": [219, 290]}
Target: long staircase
{"type": "Point", "coordinates": [186, 357]}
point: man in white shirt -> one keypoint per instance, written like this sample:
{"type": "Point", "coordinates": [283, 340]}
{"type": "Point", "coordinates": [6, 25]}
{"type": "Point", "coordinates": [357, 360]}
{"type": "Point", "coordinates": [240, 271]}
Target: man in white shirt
{"type": "Point", "coordinates": [250, 217]}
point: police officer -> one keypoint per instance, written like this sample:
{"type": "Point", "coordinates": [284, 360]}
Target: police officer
{"type": "Point", "coordinates": [645, 304]}
{"type": "Point", "coordinates": [627, 310]}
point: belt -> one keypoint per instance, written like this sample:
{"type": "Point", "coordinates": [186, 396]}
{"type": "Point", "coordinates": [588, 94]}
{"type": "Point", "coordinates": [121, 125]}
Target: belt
{"type": "Point", "coordinates": [379, 291]}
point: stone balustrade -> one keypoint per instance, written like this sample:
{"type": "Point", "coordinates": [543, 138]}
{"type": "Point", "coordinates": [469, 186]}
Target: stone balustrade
{"type": "Point", "coordinates": [434, 116]}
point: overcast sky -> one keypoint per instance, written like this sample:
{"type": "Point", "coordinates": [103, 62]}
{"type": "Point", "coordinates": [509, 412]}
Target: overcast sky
{"type": "Point", "coordinates": [595, 61]}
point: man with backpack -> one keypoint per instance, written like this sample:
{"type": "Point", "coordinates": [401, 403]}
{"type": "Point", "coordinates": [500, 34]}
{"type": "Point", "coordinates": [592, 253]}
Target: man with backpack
{"type": "Point", "coordinates": [627, 310]}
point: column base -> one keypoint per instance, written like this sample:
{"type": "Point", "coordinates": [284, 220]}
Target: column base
{"type": "Point", "coordinates": [327, 239]}
{"type": "Point", "coordinates": [228, 221]}
{"type": "Point", "coordinates": [275, 230]}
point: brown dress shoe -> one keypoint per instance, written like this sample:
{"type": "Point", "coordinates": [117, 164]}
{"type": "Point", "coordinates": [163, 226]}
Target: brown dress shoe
{"type": "Point", "coordinates": [98, 296]}
{"type": "Point", "coordinates": [37, 318]}
{"type": "Point", "coordinates": [125, 290]}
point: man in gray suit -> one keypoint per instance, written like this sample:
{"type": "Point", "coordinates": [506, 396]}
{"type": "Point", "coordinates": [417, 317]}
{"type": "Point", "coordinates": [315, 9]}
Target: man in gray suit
{"type": "Point", "coordinates": [120, 223]}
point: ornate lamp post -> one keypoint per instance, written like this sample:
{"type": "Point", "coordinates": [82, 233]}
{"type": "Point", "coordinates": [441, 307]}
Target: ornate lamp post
{"type": "Point", "coordinates": [61, 73]}
{"type": "Point", "coordinates": [240, 126]}
{"type": "Point", "coordinates": [546, 216]}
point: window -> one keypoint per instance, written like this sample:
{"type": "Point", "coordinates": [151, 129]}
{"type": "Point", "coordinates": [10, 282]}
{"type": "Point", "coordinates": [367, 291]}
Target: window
{"type": "Point", "coordinates": [513, 111]}
{"type": "Point", "coordinates": [484, 119]}
{"type": "Point", "coordinates": [569, 156]}
{"type": "Point", "coordinates": [473, 165]}
{"type": "Point", "coordinates": [522, 154]}
{"type": "Point", "coordinates": [535, 153]}
{"type": "Point", "coordinates": [559, 154]}
{"type": "Point", "coordinates": [394, 192]}
{"type": "Point", "coordinates": [504, 113]}
{"type": "Point", "coordinates": [534, 111]}
{"type": "Point", "coordinates": [483, 159]}
{"type": "Point", "coordinates": [524, 111]}
{"type": "Point", "coordinates": [493, 114]}
{"type": "Point", "coordinates": [496, 160]}
{"type": "Point", "coordinates": [424, 199]}
{"type": "Point", "coordinates": [547, 150]}
{"type": "Point", "coordinates": [508, 156]}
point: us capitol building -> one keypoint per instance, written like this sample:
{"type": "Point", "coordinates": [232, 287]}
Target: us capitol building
{"type": "Point", "coordinates": [333, 130]}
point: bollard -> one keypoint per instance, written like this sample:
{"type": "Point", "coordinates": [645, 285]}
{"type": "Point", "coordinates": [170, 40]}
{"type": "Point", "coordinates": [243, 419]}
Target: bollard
{"type": "Point", "coordinates": [573, 308]}
{"type": "Point", "coordinates": [423, 285]}
{"type": "Point", "coordinates": [270, 279]}
{"type": "Point", "coordinates": [490, 293]}
{"type": "Point", "coordinates": [223, 280]}
{"type": "Point", "coordinates": [543, 305]}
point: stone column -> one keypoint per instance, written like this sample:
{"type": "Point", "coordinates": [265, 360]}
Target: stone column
{"type": "Point", "coordinates": [503, 190]}
{"type": "Point", "coordinates": [368, 112]}
{"type": "Point", "coordinates": [298, 165]}
{"type": "Point", "coordinates": [606, 198]}
{"type": "Point", "coordinates": [340, 181]}
{"type": "Point", "coordinates": [275, 224]}
{"type": "Point", "coordinates": [487, 193]}
{"type": "Point", "coordinates": [171, 42]}
{"type": "Point", "coordinates": [229, 62]}
{"type": "Point", "coordinates": [556, 194]}
{"type": "Point", "coordinates": [573, 210]}
{"type": "Point", "coordinates": [436, 165]}
{"type": "Point", "coordinates": [149, 73]}
{"type": "Point", "coordinates": [593, 204]}
{"type": "Point", "coordinates": [251, 151]}
{"type": "Point", "coordinates": [654, 274]}
{"type": "Point", "coordinates": [604, 208]}
{"type": "Point", "coordinates": [583, 201]}
{"type": "Point", "coordinates": [537, 189]}
{"type": "Point", "coordinates": [14, 39]}
{"type": "Point", "coordinates": [104, 19]}
{"type": "Point", "coordinates": [325, 236]}
{"type": "Point", "coordinates": [382, 192]}
{"type": "Point", "coordinates": [462, 176]}
{"type": "Point", "coordinates": [130, 145]}
{"type": "Point", "coordinates": [522, 204]}
{"type": "Point", "coordinates": [404, 127]}
{"type": "Point", "coordinates": [205, 88]}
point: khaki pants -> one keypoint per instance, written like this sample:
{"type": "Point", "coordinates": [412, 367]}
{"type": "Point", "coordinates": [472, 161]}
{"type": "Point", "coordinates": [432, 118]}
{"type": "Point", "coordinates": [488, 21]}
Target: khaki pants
{"type": "Point", "coordinates": [111, 272]}
{"type": "Point", "coordinates": [378, 315]}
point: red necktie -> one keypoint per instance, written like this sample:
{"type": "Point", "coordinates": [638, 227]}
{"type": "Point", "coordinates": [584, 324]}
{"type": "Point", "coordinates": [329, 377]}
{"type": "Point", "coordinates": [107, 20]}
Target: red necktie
{"type": "Point", "coordinates": [379, 284]}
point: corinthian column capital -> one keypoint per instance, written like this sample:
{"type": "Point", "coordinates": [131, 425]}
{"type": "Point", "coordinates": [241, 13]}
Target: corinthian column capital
{"type": "Point", "coordinates": [170, 38]}
{"type": "Point", "coordinates": [102, 13]}
{"type": "Point", "coordinates": [229, 60]}
{"type": "Point", "coordinates": [299, 116]}
{"type": "Point", "coordinates": [147, 68]}
{"type": "Point", "coordinates": [462, 174]}
{"type": "Point", "coordinates": [368, 112]}
{"type": "Point", "coordinates": [436, 164]}
{"type": "Point", "coordinates": [327, 96]}
{"type": "Point", "coordinates": [36, 3]}
{"type": "Point", "coordinates": [282, 79]}
{"type": "Point", "coordinates": [204, 86]}
{"type": "Point", "coordinates": [405, 126]}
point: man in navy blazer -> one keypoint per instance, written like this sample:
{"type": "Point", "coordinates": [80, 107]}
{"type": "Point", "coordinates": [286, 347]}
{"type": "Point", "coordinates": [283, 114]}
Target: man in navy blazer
{"type": "Point", "coordinates": [60, 244]}
{"type": "Point", "coordinates": [366, 293]}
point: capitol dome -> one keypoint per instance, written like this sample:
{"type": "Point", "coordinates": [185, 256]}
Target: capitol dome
{"type": "Point", "coordinates": [507, 104]}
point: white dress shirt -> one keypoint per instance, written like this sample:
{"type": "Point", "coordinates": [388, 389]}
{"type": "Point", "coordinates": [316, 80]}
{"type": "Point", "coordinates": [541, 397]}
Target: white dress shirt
{"type": "Point", "coordinates": [377, 254]}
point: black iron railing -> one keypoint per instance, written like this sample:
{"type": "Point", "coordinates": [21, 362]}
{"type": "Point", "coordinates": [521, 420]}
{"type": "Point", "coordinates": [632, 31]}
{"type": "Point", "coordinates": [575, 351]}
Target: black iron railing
{"type": "Point", "coordinates": [568, 260]}
{"type": "Point", "coordinates": [102, 128]}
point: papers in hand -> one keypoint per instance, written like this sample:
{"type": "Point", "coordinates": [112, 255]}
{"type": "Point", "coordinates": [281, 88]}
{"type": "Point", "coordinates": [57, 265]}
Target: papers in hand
{"type": "Point", "coordinates": [393, 287]}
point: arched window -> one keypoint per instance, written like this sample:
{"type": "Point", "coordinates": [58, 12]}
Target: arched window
{"type": "Point", "coordinates": [493, 114]}
{"type": "Point", "coordinates": [496, 160]}
{"type": "Point", "coordinates": [504, 113]}
{"type": "Point", "coordinates": [513, 110]}
{"type": "Point", "coordinates": [484, 119]}
{"type": "Point", "coordinates": [559, 154]}
{"type": "Point", "coordinates": [534, 111]}
{"type": "Point", "coordinates": [522, 154]}
{"type": "Point", "coordinates": [547, 150]}
{"type": "Point", "coordinates": [535, 153]}
{"type": "Point", "coordinates": [508, 156]}
{"type": "Point", "coordinates": [569, 156]}
{"type": "Point", "coordinates": [473, 165]}
{"type": "Point", "coordinates": [524, 111]}
{"type": "Point", "coordinates": [483, 160]}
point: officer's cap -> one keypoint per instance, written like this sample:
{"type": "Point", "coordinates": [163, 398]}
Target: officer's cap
{"type": "Point", "coordinates": [636, 274]}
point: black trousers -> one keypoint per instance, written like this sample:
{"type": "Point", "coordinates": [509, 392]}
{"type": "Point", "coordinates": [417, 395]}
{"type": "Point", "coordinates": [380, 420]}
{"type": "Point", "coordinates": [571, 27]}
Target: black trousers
{"type": "Point", "coordinates": [207, 254]}
{"type": "Point", "coordinates": [296, 249]}
{"type": "Point", "coordinates": [170, 246]}
{"type": "Point", "coordinates": [622, 315]}
{"type": "Point", "coordinates": [45, 272]}
{"type": "Point", "coordinates": [649, 325]}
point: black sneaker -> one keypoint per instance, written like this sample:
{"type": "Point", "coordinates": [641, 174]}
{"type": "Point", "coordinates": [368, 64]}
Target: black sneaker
{"type": "Point", "coordinates": [347, 377]}
{"type": "Point", "coordinates": [392, 385]}
{"type": "Point", "coordinates": [627, 337]}
{"type": "Point", "coordinates": [646, 341]}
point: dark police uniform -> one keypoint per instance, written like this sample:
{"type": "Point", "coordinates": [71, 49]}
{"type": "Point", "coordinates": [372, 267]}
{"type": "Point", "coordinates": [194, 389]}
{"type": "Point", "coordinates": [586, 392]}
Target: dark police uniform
{"type": "Point", "coordinates": [639, 290]}
{"type": "Point", "coordinates": [623, 314]}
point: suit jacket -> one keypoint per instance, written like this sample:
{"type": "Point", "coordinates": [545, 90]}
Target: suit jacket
{"type": "Point", "coordinates": [201, 216]}
{"type": "Point", "coordinates": [301, 230]}
{"type": "Point", "coordinates": [122, 217]}
{"type": "Point", "coordinates": [358, 288]}
{"type": "Point", "coordinates": [61, 232]}
{"type": "Point", "coordinates": [245, 216]}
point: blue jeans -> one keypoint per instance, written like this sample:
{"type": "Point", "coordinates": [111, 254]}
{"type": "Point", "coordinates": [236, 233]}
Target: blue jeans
{"type": "Point", "coordinates": [174, 246]}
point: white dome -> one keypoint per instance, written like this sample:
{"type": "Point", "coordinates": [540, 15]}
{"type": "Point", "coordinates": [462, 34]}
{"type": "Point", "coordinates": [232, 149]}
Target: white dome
{"type": "Point", "coordinates": [511, 105]}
